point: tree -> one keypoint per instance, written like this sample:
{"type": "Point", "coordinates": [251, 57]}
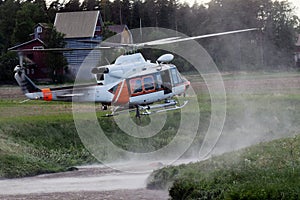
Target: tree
{"type": "Point", "coordinates": [279, 35]}
{"type": "Point", "coordinates": [71, 6]}
{"type": "Point", "coordinates": [271, 48]}
{"type": "Point", "coordinates": [27, 17]}
{"type": "Point", "coordinates": [56, 60]}
{"type": "Point", "coordinates": [90, 5]}
{"type": "Point", "coordinates": [53, 8]}
{"type": "Point", "coordinates": [163, 13]}
{"type": "Point", "coordinates": [136, 14]}
{"type": "Point", "coordinates": [116, 12]}
{"type": "Point", "coordinates": [106, 33]}
{"type": "Point", "coordinates": [7, 63]}
{"type": "Point", "coordinates": [231, 52]}
{"type": "Point", "coordinates": [126, 8]}
{"type": "Point", "coordinates": [150, 18]}
{"type": "Point", "coordinates": [105, 9]}
{"type": "Point", "coordinates": [8, 10]}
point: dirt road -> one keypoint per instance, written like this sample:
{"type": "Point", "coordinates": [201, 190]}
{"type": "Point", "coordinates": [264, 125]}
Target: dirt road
{"type": "Point", "coordinates": [90, 182]}
{"type": "Point", "coordinates": [138, 194]}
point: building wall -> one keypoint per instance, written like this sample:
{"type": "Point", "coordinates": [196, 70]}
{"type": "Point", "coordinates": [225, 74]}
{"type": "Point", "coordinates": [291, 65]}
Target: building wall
{"type": "Point", "coordinates": [39, 69]}
{"type": "Point", "coordinates": [76, 58]}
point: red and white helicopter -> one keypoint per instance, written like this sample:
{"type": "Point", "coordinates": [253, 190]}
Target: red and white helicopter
{"type": "Point", "coordinates": [131, 81]}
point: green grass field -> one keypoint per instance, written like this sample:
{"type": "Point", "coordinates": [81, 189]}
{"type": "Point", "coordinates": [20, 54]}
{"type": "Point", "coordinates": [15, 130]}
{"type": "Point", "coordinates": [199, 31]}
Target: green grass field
{"type": "Point", "coordinates": [37, 138]}
{"type": "Point", "coordinates": [40, 137]}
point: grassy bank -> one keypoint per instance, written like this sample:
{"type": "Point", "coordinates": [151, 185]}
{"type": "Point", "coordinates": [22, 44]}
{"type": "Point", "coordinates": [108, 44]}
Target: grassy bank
{"type": "Point", "coordinates": [40, 137]}
{"type": "Point", "coordinates": [36, 141]}
{"type": "Point", "coordinates": [257, 155]}
{"type": "Point", "coordinates": [265, 171]}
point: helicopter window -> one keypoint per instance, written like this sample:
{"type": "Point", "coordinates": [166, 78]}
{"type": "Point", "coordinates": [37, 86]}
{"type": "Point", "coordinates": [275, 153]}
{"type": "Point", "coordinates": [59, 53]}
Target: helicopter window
{"type": "Point", "coordinates": [136, 85]}
{"type": "Point", "coordinates": [174, 76]}
{"type": "Point", "coordinates": [113, 89]}
{"type": "Point", "coordinates": [181, 80]}
{"type": "Point", "coordinates": [148, 83]}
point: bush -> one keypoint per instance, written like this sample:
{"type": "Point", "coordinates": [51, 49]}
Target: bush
{"type": "Point", "coordinates": [271, 184]}
{"type": "Point", "coordinates": [187, 189]}
{"type": "Point", "coordinates": [265, 171]}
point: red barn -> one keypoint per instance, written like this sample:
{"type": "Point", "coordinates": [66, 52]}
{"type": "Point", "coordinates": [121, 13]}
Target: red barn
{"type": "Point", "coordinates": [35, 62]}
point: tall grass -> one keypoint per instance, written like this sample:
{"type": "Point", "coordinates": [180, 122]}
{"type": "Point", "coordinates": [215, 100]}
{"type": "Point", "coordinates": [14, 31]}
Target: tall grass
{"type": "Point", "coordinates": [265, 171]}
{"type": "Point", "coordinates": [38, 137]}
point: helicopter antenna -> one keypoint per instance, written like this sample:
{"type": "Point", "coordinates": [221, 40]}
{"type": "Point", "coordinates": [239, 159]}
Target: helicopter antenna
{"type": "Point", "coordinates": [141, 31]}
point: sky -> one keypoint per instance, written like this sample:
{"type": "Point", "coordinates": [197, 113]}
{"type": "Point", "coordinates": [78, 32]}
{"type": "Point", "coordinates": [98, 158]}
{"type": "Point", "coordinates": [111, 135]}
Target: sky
{"type": "Point", "coordinates": [296, 3]}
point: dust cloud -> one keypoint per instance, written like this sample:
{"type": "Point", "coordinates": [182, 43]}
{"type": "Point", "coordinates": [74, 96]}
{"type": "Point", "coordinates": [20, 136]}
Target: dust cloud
{"type": "Point", "coordinates": [260, 108]}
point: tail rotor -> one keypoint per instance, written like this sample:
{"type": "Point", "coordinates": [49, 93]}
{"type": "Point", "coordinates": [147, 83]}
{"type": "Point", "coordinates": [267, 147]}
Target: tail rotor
{"type": "Point", "coordinates": [20, 68]}
{"type": "Point", "coordinates": [21, 58]}
{"type": "Point", "coordinates": [24, 82]}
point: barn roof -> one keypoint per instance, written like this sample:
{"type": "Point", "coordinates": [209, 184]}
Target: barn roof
{"type": "Point", "coordinates": [77, 24]}
{"type": "Point", "coordinates": [44, 25]}
{"type": "Point", "coordinates": [117, 28]}
{"type": "Point", "coordinates": [20, 46]}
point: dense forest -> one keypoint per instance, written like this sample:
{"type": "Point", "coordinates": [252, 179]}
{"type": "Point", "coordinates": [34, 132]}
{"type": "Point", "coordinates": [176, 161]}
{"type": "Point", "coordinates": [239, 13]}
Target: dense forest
{"type": "Point", "coordinates": [269, 49]}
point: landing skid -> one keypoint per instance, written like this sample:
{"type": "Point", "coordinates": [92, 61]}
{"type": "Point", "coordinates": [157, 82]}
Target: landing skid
{"type": "Point", "coordinates": [169, 105]}
{"type": "Point", "coordinates": [113, 112]}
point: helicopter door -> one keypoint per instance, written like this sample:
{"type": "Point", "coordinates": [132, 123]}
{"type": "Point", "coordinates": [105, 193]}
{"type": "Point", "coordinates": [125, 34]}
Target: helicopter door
{"type": "Point", "coordinates": [166, 81]}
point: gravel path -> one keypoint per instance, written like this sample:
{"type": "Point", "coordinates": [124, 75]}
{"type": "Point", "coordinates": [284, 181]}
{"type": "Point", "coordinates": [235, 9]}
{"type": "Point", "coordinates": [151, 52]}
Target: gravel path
{"type": "Point", "coordinates": [90, 182]}
{"type": "Point", "coordinates": [137, 194]}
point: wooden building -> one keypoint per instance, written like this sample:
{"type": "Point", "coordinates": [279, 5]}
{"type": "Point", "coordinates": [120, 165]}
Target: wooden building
{"type": "Point", "coordinates": [35, 62]}
{"type": "Point", "coordinates": [124, 35]}
{"type": "Point", "coordinates": [82, 30]}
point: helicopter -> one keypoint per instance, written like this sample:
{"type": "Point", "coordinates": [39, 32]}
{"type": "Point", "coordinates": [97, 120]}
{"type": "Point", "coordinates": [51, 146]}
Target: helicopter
{"type": "Point", "coordinates": [130, 82]}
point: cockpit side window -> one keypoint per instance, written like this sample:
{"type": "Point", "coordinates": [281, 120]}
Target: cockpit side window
{"type": "Point", "coordinates": [148, 83]}
{"type": "Point", "coordinates": [174, 76]}
{"type": "Point", "coordinates": [113, 89]}
{"type": "Point", "coordinates": [158, 81]}
{"type": "Point", "coordinates": [136, 85]}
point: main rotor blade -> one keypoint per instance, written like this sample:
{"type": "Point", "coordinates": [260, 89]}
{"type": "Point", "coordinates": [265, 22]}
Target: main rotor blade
{"type": "Point", "coordinates": [158, 42]}
{"type": "Point", "coordinates": [62, 49]}
{"type": "Point", "coordinates": [109, 45]}
{"type": "Point", "coordinates": [138, 45]}
{"type": "Point", "coordinates": [172, 40]}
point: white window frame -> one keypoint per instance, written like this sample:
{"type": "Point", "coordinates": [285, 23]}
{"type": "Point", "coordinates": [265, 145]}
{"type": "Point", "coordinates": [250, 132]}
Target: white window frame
{"type": "Point", "coordinates": [39, 29]}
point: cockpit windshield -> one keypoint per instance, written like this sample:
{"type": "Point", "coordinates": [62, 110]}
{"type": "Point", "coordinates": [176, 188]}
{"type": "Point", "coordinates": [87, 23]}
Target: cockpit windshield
{"type": "Point", "coordinates": [176, 78]}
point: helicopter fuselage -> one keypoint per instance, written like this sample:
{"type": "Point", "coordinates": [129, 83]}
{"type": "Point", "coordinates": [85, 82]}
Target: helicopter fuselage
{"type": "Point", "coordinates": [130, 81]}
